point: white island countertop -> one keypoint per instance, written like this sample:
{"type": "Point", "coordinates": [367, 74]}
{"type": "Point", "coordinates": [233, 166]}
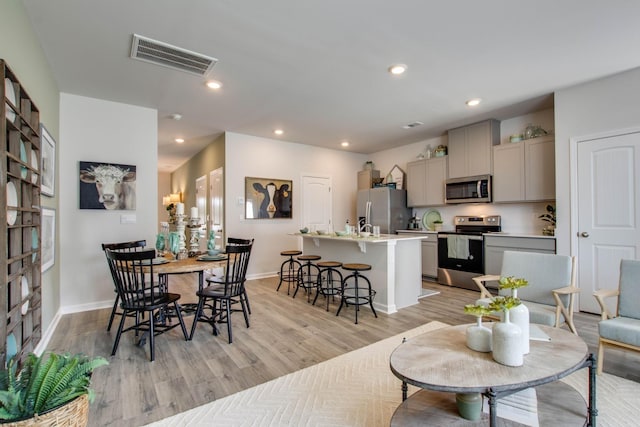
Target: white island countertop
{"type": "Point", "coordinates": [395, 261]}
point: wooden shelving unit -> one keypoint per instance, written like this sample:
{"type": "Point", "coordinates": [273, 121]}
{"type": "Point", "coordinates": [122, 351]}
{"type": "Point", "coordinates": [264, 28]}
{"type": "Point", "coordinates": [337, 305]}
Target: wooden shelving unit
{"type": "Point", "coordinates": [20, 219]}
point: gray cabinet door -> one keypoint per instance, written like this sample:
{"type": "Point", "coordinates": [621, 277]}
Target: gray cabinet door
{"type": "Point", "coordinates": [430, 257]}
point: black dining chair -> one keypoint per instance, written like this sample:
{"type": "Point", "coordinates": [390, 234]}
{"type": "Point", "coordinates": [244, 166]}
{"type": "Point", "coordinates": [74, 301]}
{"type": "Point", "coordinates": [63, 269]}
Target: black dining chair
{"type": "Point", "coordinates": [234, 241]}
{"type": "Point", "coordinates": [132, 246]}
{"type": "Point", "coordinates": [218, 298]}
{"type": "Point", "coordinates": [140, 293]}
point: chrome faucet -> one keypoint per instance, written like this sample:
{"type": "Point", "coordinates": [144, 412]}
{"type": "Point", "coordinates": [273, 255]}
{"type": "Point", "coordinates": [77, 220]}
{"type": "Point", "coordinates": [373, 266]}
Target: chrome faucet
{"type": "Point", "coordinates": [364, 226]}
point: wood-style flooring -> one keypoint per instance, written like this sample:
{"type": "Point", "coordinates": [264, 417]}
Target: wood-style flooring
{"type": "Point", "coordinates": [286, 335]}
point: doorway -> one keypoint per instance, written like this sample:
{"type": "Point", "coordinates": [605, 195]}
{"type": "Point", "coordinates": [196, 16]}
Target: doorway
{"type": "Point", "coordinates": [607, 218]}
{"type": "Point", "coordinates": [316, 202]}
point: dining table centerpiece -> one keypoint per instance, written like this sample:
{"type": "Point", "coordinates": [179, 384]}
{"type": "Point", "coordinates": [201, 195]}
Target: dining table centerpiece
{"type": "Point", "coordinates": [47, 390]}
{"type": "Point", "coordinates": [506, 336]}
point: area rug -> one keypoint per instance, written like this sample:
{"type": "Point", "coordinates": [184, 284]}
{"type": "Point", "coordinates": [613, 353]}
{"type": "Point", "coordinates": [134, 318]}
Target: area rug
{"type": "Point", "coordinates": [358, 389]}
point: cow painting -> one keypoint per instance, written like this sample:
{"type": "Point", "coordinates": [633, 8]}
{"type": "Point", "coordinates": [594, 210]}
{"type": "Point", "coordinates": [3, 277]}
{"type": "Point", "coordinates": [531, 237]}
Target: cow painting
{"type": "Point", "coordinates": [268, 198]}
{"type": "Point", "coordinates": [107, 186]}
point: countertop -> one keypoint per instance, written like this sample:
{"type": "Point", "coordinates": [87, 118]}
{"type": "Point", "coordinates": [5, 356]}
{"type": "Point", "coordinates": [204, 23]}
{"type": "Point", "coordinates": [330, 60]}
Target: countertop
{"type": "Point", "coordinates": [371, 239]}
{"type": "Point", "coordinates": [419, 231]}
{"type": "Point", "coordinates": [505, 234]}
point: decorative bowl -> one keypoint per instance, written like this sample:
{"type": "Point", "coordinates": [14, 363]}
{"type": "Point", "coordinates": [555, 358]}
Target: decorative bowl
{"type": "Point", "coordinates": [212, 252]}
{"type": "Point", "coordinates": [341, 233]}
{"type": "Point", "coordinates": [321, 232]}
{"type": "Point", "coordinates": [304, 230]}
{"type": "Point", "coordinates": [365, 234]}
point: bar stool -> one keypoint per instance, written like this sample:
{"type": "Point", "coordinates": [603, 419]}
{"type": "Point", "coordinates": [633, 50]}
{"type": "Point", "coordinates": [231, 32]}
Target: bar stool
{"type": "Point", "coordinates": [355, 292]}
{"type": "Point", "coordinates": [308, 274]}
{"type": "Point", "coordinates": [289, 269]}
{"type": "Point", "coordinates": [327, 279]}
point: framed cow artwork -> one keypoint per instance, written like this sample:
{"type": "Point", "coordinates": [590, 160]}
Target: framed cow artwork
{"type": "Point", "coordinates": [266, 198]}
{"type": "Point", "coordinates": [107, 186]}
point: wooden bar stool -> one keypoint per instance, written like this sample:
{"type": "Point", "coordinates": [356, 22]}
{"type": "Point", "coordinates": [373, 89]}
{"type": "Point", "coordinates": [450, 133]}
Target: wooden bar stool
{"type": "Point", "coordinates": [329, 280]}
{"type": "Point", "coordinates": [354, 290]}
{"type": "Point", "coordinates": [308, 274]}
{"type": "Point", "coordinates": [289, 269]}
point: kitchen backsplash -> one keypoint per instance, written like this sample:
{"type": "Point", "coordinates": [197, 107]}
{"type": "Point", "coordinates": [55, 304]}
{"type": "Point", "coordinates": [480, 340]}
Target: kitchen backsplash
{"type": "Point", "coordinates": [516, 218]}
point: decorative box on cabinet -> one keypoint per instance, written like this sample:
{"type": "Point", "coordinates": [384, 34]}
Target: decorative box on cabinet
{"type": "Point", "coordinates": [20, 219]}
{"type": "Point", "coordinates": [470, 149]}
{"type": "Point", "coordinates": [365, 178]}
{"type": "Point", "coordinates": [524, 171]}
{"type": "Point", "coordinates": [425, 182]}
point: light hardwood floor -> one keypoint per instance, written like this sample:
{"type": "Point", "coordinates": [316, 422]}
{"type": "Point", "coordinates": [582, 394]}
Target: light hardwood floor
{"type": "Point", "coordinates": [286, 335]}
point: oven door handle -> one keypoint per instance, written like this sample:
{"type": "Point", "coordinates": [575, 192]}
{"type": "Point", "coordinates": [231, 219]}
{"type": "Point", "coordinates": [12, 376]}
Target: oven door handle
{"type": "Point", "coordinates": [444, 236]}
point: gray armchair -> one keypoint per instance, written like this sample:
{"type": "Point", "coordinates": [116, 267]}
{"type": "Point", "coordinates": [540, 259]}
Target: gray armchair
{"type": "Point", "coordinates": [621, 329]}
{"type": "Point", "coordinates": [550, 295]}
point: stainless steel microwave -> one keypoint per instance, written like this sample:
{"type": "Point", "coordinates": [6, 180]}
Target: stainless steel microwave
{"type": "Point", "coordinates": [472, 189]}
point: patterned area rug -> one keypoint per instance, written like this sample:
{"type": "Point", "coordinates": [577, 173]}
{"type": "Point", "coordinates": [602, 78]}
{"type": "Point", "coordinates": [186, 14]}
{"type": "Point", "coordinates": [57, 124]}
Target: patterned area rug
{"type": "Point", "coordinates": [358, 389]}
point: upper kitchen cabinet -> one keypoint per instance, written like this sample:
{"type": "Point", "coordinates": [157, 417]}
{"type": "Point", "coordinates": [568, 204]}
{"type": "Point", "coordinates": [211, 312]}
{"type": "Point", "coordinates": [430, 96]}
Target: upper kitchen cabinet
{"type": "Point", "coordinates": [524, 171]}
{"type": "Point", "coordinates": [470, 148]}
{"type": "Point", "coordinates": [425, 182]}
{"type": "Point", "coordinates": [366, 177]}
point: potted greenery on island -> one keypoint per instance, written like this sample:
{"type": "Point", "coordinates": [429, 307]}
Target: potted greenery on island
{"type": "Point", "coordinates": [46, 388]}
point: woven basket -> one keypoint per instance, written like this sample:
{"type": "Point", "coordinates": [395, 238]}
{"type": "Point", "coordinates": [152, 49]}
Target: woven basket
{"type": "Point", "coordinates": [73, 414]}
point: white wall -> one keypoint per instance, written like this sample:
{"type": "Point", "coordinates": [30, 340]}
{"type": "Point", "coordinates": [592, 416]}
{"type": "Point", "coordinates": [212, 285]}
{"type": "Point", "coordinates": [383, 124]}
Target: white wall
{"type": "Point", "coordinates": [607, 104]}
{"type": "Point", "coordinates": [269, 158]}
{"type": "Point", "coordinates": [101, 131]}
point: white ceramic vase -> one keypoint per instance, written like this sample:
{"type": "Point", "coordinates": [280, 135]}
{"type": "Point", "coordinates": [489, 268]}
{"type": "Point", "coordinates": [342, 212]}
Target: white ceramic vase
{"type": "Point", "coordinates": [520, 316]}
{"type": "Point", "coordinates": [479, 337]}
{"type": "Point", "coordinates": [506, 342]}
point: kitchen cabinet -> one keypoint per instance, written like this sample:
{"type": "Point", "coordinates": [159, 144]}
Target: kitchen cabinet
{"type": "Point", "coordinates": [365, 178]}
{"type": "Point", "coordinates": [524, 171]}
{"type": "Point", "coordinates": [495, 245]}
{"type": "Point", "coordinates": [469, 149]}
{"type": "Point", "coordinates": [425, 182]}
{"type": "Point", "coordinates": [429, 248]}
{"type": "Point", "coordinates": [20, 219]}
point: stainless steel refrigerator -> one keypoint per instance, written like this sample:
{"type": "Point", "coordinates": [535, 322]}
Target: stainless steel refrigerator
{"type": "Point", "coordinates": [385, 207]}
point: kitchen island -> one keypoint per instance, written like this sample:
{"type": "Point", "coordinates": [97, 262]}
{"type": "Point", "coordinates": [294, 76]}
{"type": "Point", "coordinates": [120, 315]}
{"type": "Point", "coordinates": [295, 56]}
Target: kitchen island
{"type": "Point", "coordinates": [395, 261]}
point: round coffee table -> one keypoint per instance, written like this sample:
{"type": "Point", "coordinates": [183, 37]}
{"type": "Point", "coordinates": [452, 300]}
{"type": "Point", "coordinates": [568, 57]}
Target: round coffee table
{"type": "Point", "coordinates": [440, 361]}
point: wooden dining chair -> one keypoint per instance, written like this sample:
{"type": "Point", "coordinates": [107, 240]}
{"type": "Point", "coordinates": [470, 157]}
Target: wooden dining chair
{"type": "Point", "coordinates": [217, 298]}
{"type": "Point", "coordinates": [139, 293]}
{"type": "Point", "coordinates": [234, 241]}
{"type": "Point", "coordinates": [132, 246]}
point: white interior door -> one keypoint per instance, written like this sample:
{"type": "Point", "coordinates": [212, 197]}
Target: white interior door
{"type": "Point", "coordinates": [216, 206]}
{"type": "Point", "coordinates": [608, 212]}
{"type": "Point", "coordinates": [201, 204]}
{"type": "Point", "coordinates": [316, 203]}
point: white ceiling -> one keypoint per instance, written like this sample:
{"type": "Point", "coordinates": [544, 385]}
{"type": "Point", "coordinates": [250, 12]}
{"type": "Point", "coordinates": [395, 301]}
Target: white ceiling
{"type": "Point", "coordinates": [318, 69]}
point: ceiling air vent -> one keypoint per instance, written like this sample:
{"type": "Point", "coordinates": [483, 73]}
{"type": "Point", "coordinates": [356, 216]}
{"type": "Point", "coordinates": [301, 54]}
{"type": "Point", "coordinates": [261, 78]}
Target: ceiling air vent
{"type": "Point", "coordinates": [148, 50]}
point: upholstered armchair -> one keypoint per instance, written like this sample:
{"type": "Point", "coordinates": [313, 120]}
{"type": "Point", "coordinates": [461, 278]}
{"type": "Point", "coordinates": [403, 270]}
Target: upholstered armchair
{"type": "Point", "coordinates": [621, 329]}
{"type": "Point", "coordinates": [550, 295]}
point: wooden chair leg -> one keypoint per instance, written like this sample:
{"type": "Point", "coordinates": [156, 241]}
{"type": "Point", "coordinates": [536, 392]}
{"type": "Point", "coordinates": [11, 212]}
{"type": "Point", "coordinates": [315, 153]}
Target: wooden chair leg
{"type": "Point", "coordinates": [600, 356]}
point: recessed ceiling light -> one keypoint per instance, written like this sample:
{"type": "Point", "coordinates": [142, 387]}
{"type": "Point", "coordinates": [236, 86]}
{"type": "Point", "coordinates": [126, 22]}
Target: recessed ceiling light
{"type": "Point", "coordinates": [278, 131]}
{"type": "Point", "coordinates": [473, 102]}
{"type": "Point", "coordinates": [397, 69]}
{"type": "Point", "coordinates": [176, 116]}
{"type": "Point", "coordinates": [214, 84]}
{"type": "Point", "coordinates": [345, 143]}
{"type": "Point", "coordinates": [179, 140]}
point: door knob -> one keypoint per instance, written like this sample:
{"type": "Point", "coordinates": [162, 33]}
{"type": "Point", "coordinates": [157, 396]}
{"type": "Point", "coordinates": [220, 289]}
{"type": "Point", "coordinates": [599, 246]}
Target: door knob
{"type": "Point", "coordinates": [584, 234]}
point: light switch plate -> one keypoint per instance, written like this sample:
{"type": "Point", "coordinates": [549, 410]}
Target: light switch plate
{"type": "Point", "coordinates": [128, 219]}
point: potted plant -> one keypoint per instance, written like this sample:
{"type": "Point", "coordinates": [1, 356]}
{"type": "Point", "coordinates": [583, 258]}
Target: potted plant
{"type": "Point", "coordinates": [47, 387]}
{"type": "Point", "coordinates": [506, 337]}
{"type": "Point", "coordinates": [520, 313]}
{"type": "Point", "coordinates": [549, 217]}
{"type": "Point", "coordinates": [478, 336]}
{"type": "Point", "coordinates": [437, 225]}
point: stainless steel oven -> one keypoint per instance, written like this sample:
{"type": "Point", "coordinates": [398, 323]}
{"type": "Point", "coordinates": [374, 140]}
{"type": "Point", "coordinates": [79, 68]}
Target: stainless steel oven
{"type": "Point", "coordinates": [461, 252]}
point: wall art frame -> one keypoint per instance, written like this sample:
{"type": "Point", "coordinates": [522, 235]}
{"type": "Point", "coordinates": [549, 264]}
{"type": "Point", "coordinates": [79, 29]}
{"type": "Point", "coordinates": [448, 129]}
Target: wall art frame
{"type": "Point", "coordinates": [268, 198]}
{"type": "Point", "coordinates": [48, 247]}
{"type": "Point", "coordinates": [47, 162]}
{"type": "Point", "coordinates": [109, 186]}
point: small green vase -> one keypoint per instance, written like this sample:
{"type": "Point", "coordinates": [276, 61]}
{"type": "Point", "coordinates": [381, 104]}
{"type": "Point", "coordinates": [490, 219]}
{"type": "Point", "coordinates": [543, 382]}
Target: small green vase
{"type": "Point", "coordinates": [469, 405]}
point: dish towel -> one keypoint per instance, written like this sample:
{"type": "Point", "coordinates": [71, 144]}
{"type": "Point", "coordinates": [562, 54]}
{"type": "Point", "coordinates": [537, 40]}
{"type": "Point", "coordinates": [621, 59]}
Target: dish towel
{"type": "Point", "coordinates": [457, 247]}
